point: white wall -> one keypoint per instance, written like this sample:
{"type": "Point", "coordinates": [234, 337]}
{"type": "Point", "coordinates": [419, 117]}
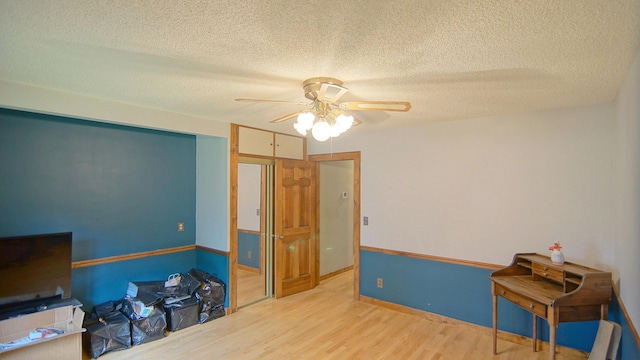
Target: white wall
{"type": "Point", "coordinates": [212, 192]}
{"type": "Point", "coordinates": [336, 215]}
{"type": "Point", "coordinates": [627, 227]}
{"type": "Point", "coordinates": [249, 196]}
{"type": "Point", "coordinates": [484, 189]}
{"type": "Point", "coordinates": [47, 101]}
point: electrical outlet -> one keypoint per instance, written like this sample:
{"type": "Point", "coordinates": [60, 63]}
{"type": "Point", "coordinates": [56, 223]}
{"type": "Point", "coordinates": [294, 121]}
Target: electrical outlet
{"type": "Point", "coordinates": [365, 220]}
{"type": "Point", "coordinates": [380, 283]}
{"type": "Point", "coordinates": [249, 254]}
{"type": "Point", "coordinates": [181, 226]}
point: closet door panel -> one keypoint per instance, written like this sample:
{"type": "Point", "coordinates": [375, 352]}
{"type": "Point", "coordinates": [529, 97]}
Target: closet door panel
{"type": "Point", "coordinates": [255, 142]}
{"type": "Point", "coordinates": [290, 147]}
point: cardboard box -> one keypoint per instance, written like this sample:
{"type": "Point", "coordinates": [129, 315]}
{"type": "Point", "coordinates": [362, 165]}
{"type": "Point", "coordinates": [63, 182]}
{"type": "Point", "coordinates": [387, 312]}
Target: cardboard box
{"type": "Point", "coordinates": [67, 345]}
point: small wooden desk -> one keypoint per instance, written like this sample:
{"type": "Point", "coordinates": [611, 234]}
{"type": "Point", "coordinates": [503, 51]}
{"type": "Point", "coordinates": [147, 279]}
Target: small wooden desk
{"type": "Point", "coordinates": [556, 293]}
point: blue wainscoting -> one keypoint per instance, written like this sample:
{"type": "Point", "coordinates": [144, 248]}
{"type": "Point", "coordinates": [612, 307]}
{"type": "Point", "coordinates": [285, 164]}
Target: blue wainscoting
{"type": "Point", "coordinates": [96, 284]}
{"type": "Point", "coordinates": [249, 242]}
{"type": "Point", "coordinates": [629, 349]}
{"type": "Point", "coordinates": [457, 291]}
{"type": "Point", "coordinates": [216, 264]}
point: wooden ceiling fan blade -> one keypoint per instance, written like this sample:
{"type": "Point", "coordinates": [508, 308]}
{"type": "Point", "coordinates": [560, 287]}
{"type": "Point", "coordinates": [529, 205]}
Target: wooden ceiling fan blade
{"type": "Point", "coordinates": [376, 105]}
{"type": "Point", "coordinates": [286, 117]}
{"type": "Point", "coordinates": [272, 101]}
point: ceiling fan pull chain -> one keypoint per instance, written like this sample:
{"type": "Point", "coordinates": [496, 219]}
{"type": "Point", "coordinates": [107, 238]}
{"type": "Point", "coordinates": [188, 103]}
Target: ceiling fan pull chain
{"type": "Point", "coordinates": [331, 147]}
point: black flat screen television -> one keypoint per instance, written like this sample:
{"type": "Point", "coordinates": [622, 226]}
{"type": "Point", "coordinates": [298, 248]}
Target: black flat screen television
{"type": "Point", "coordinates": [35, 268]}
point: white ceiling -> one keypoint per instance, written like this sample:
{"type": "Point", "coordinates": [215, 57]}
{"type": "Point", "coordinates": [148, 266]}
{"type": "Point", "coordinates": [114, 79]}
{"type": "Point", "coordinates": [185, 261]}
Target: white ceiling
{"type": "Point", "coordinates": [450, 59]}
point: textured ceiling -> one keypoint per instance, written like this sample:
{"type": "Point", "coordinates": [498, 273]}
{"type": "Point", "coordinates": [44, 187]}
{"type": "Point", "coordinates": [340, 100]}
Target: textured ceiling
{"type": "Point", "coordinates": [450, 59]}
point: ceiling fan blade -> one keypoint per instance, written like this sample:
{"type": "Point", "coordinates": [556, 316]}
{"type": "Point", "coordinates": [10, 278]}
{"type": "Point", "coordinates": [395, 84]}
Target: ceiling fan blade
{"type": "Point", "coordinates": [376, 105]}
{"type": "Point", "coordinates": [356, 122]}
{"type": "Point", "coordinates": [272, 101]}
{"type": "Point", "coordinates": [286, 117]}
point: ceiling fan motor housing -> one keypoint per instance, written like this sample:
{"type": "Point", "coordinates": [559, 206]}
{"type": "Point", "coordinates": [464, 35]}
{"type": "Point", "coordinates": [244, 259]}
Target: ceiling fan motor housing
{"type": "Point", "coordinates": [312, 86]}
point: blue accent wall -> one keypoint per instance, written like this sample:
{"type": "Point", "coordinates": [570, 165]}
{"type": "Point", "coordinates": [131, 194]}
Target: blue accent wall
{"type": "Point", "coordinates": [249, 242]}
{"type": "Point", "coordinates": [464, 293]}
{"type": "Point", "coordinates": [119, 189]}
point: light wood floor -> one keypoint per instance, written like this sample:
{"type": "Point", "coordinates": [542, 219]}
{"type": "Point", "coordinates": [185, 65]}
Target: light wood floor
{"type": "Point", "coordinates": [325, 323]}
{"type": "Point", "coordinates": [250, 287]}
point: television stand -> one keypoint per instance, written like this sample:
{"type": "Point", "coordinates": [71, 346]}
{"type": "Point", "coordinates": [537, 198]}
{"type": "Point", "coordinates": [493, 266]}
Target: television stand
{"type": "Point", "coordinates": [64, 314]}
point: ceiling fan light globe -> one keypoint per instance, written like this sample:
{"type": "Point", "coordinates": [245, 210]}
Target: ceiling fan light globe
{"type": "Point", "coordinates": [321, 131]}
{"type": "Point", "coordinates": [305, 120]}
{"type": "Point", "coordinates": [300, 129]}
{"type": "Point", "coordinates": [336, 130]}
{"type": "Point", "coordinates": [345, 121]}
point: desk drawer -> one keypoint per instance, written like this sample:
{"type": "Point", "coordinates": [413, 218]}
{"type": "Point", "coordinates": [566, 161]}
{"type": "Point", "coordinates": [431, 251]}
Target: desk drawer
{"type": "Point", "coordinates": [522, 301]}
{"type": "Point", "coordinates": [548, 272]}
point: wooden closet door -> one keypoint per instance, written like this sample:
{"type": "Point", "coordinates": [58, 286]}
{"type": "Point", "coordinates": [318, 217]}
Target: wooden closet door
{"type": "Point", "coordinates": [295, 226]}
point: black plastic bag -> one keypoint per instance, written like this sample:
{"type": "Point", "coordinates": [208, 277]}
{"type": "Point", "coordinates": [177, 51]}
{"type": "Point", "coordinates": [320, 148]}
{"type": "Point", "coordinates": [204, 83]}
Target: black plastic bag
{"type": "Point", "coordinates": [182, 314]}
{"type": "Point", "coordinates": [105, 309]}
{"type": "Point", "coordinates": [150, 328]}
{"type": "Point", "coordinates": [185, 288]}
{"type": "Point", "coordinates": [217, 312]}
{"type": "Point", "coordinates": [211, 293]}
{"type": "Point", "coordinates": [110, 333]}
{"type": "Point", "coordinates": [127, 307]}
{"type": "Point", "coordinates": [189, 284]}
{"type": "Point", "coordinates": [149, 292]}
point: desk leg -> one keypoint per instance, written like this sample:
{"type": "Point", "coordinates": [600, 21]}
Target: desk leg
{"type": "Point", "coordinates": [535, 333]}
{"type": "Point", "coordinates": [495, 324]}
{"type": "Point", "coordinates": [552, 341]}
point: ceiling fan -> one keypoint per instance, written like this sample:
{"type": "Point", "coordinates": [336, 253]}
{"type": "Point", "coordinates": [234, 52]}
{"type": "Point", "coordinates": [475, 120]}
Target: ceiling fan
{"type": "Point", "coordinates": [325, 116]}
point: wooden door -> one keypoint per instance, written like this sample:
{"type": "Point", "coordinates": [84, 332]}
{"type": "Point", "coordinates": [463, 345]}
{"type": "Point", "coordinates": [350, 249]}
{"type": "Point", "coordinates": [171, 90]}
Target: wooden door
{"type": "Point", "coordinates": [295, 227]}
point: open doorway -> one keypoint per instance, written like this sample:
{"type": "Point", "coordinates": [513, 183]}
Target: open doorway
{"type": "Point", "coordinates": [339, 215]}
{"type": "Point", "coordinates": [335, 217]}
